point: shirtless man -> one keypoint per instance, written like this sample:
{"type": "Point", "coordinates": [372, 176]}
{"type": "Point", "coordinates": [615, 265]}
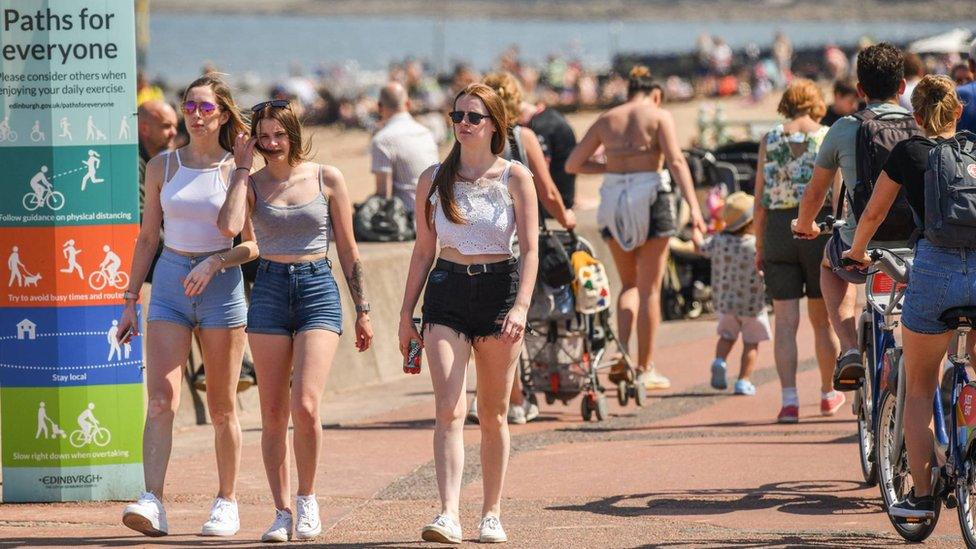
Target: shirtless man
{"type": "Point", "coordinates": [637, 207]}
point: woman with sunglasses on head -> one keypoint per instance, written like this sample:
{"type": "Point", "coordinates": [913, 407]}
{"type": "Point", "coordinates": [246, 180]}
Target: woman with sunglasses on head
{"type": "Point", "coordinates": [637, 207]}
{"type": "Point", "coordinates": [197, 287]}
{"type": "Point", "coordinates": [295, 320]}
{"type": "Point", "coordinates": [476, 297]}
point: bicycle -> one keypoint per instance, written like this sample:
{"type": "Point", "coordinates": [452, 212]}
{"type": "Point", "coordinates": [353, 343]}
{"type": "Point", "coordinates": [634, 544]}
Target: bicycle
{"type": "Point", "coordinates": [6, 134]}
{"type": "Point", "coordinates": [954, 482]}
{"type": "Point", "coordinates": [51, 198]}
{"type": "Point", "coordinates": [99, 279]}
{"type": "Point", "coordinates": [98, 435]}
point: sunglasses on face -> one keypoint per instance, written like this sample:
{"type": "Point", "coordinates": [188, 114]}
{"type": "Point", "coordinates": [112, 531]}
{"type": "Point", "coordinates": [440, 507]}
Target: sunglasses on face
{"type": "Point", "coordinates": [206, 108]}
{"type": "Point", "coordinates": [277, 103]}
{"type": "Point", "coordinates": [474, 118]}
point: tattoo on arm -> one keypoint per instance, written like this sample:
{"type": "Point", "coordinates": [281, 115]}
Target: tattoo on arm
{"type": "Point", "coordinates": [357, 282]}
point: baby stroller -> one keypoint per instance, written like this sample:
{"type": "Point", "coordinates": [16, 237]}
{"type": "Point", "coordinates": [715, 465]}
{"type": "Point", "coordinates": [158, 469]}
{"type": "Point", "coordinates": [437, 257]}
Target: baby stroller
{"type": "Point", "coordinates": [563, 349]}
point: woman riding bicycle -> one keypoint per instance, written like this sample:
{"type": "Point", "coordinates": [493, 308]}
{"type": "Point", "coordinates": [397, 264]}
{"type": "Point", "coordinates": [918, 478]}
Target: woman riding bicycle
{"type": "Point", "coordinates": [941, 278]}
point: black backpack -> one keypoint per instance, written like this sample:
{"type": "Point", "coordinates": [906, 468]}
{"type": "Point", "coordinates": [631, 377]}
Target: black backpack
{"type": "Point", "coordinates": [950, 193]}
{"type": "Point", "coordinates": [876, 136]}
{"type": "Point", "coordinates": [381, 219]}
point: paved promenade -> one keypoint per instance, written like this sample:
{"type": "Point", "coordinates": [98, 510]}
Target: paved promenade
{"type": "Point", "coordinates": [695, 468]}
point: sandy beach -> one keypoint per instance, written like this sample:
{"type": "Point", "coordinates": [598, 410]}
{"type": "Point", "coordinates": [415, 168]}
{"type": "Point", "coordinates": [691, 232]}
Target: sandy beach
{"type": "Point", "coordinates": [349, 149]}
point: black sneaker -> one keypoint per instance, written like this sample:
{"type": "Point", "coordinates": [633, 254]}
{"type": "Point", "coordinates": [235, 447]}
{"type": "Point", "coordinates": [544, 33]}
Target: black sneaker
{"type": "Point", "coordinates": [849, 373]}
{"type": "Point", "coordinates": [913, 507]}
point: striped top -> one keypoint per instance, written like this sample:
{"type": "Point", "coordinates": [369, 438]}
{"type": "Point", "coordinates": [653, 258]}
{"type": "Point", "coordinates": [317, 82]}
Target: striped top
{"type": "Point", "coordinates": [403, 148]}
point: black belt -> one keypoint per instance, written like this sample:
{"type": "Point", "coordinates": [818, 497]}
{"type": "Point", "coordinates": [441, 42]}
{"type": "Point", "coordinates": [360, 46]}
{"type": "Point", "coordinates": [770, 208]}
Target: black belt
{"type": "Point", "coordinates": [506, 266]}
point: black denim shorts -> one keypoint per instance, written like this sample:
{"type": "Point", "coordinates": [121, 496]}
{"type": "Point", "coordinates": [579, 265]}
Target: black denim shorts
{"type": "Point", "coordinates": [473, 305]}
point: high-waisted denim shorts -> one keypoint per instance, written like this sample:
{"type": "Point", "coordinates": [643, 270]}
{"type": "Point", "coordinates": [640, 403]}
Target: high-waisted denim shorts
{"type": "Point", "coordinates": [288, 298]}
{"type": "Point", "coordinates": [941, 278]}
{"type": "Point", "coordinates": [220, 305]}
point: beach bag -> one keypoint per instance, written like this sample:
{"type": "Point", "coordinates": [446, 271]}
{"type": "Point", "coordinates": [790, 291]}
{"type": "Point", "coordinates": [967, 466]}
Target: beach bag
{"type": "Point", "coordinates": [591, 286]}
{"type": "Point", "coordinates": [554, 266]}
{"type": "Point", "coordinates": [877, 134]}
{"type": "Point", "coordinates": [950, 193]}
{"type": "Point", "coordinates": [381, 219]}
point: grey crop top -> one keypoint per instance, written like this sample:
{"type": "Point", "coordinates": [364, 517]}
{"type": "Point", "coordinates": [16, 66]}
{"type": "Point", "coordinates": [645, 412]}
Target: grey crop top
{"type": "Point", "coordinates": [292, 230]}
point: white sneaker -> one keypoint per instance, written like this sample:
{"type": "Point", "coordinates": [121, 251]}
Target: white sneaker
{"type": "Point", "coordinates": [224, 520]}
{"type": "Point", "coordinates": [443, 529]}
{"type": "Point", "coordinates": [308, 525]}
{"type": "Point", "coordinates": [653, 380]}
{"type": "Point", "coordinates": [280, 530]}
{"type": "Point", "coordinates": [491, 531]}
{"type": "Point", "coordinates": [516, 414]}
{"type": "Point", "coordinates": [531, 410]}
{"type": "Point", "coordinates": [146, 516]}
{"type": "Point", "coordinates": [473, 410]}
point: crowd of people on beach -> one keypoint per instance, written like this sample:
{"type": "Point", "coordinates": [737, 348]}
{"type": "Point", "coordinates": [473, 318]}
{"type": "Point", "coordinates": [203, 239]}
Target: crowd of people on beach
{"type": "Point", "coordinates": [476, 256]}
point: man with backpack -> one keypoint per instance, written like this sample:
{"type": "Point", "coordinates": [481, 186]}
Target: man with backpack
{"type": "Point", "coordinates": [858, 146]}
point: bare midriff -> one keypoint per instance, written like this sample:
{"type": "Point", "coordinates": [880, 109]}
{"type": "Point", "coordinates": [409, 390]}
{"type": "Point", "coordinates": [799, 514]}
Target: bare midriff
{"type": "Point", "coordinates": [454, 256]}
{"type": "Point", "coordinates": [304, 258]}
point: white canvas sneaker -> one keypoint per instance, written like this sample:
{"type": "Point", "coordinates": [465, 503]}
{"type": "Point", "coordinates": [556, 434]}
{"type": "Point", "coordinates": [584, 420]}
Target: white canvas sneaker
{"type": "Point", "coordinates": [491, 531]}
{"type": "Point", "coordinates": [308, 525]}
{"type": "Point", "coordinates": [280, 530]}
{"type": "Point", "coordinates": [443, 529]}
{"type": "Point", "coordinates": [224, 520]}
{"type": "Point", "coordinates": [146, 516]}
{"type": "Point", "coordinates": [531, 410]}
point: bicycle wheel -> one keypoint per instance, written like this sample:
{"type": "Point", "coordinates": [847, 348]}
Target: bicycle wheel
{"type": "Point", "coordinates": [55, 200]}
{"type": "Point", "coordinates": [97, 280]}
{"type": "Point", "coordinates": [865, 435]}
{"type": "Point", "coordinates": [30, 202]}
{"type": "Point", "coordinates": [894, 479]}
{"type": "Point", "coordinates": [863, 410]}
{"type": "Point", "coordinates": [77, 438]}
{"type": "Point", "coordinates": [121, 281]}
{"type": "Point", "coordinates": [102, 436]}
{"type": "Point", "coordinates": [966, 496]}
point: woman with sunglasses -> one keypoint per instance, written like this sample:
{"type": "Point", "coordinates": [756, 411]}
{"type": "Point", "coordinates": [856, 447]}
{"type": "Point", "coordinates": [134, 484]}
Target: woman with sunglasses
{"type": "Point", "coordinates": [637, 208]}
{"type": "Point", "coordinates": [295, 320]}
{"type": "Point", "coordinates": [197, 287]}
{"type": "Point", "coordinates": [476, 297]}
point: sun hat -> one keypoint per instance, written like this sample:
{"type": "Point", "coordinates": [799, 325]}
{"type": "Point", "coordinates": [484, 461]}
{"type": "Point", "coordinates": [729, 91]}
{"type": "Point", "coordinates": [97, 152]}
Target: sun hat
{"type": "Point", "coordinates": [738, 211]}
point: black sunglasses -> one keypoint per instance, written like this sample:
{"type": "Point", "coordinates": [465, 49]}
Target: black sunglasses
{"type": "Point", "coordinates": [474, 118]}
{"type": "Point", "coordinates": [277, 103]}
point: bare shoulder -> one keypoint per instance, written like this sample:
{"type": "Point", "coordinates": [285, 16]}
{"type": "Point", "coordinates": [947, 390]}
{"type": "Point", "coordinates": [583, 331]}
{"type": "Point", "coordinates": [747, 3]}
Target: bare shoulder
{"type": "Point", "coordinates": [519, 175]}
{"type": "Point", "coordinates": [331, 176]}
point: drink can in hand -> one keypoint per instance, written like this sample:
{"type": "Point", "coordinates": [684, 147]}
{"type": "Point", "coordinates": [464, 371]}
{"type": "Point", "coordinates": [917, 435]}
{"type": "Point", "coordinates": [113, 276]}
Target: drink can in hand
{"type": "Point", "coordinates": [412, 364]}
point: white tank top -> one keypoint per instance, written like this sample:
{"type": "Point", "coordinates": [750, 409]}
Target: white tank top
{"type": "Point", "coordinates": [191, 200]}
{"type": "Point", "coordinates": [489, 214]}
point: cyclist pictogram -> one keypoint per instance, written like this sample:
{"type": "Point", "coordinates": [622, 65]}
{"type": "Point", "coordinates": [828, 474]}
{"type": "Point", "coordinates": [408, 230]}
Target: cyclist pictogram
{"type": "Point", "coordinates": [108, 273]}
{"type": "Point", "coordinates": [44, 193]}
{"type": "Point", "coordinates": [7, 134]}
{"type": "Point", "coordinates": [90, 431]}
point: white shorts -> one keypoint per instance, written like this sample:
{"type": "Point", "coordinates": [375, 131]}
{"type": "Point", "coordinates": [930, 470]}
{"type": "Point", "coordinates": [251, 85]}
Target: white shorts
{"type": "Point", "coordinates": [754, 329]}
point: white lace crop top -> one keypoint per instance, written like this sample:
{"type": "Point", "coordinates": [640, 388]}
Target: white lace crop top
{"type": "Point", "coordinates": [489, 214]}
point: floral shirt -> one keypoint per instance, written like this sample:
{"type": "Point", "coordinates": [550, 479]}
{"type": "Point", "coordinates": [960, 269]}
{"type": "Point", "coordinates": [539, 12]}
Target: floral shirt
{"type": "Point", "coordinates": [737, 285]}
{"type": "Point", "coordinates": [786, 174]}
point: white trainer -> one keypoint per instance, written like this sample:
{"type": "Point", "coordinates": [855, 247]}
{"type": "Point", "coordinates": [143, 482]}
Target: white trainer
{"type": "Point", "coordinates": [308, 525]}
{"type": "Point", "coordinates": [224, 520]}
{"type": "Point", "coordinates": [491, 531]}
{"type": "Point", "coordinates": [516, 414]}
{"type": "Point", "coordinates": [531, 410]}
{"type": "Point", "coordinates": [280, 530]}
{"type": "Point", "coordinates": [146, 516]}
{"type": "Point", "coordinates": [443, 529]}
{"type": "Point", "coordinates": [473, 410]}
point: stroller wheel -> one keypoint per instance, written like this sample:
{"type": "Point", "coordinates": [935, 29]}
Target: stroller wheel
{"type": "Point", "coordinates": [623, 394]}
{"type": "Point", "coordinates": [602, 408]}
{"type": "Point", "coordinates": [695, 309]}
{"type": "Point", "coordinates": [586, 408]}
{"type": "Point", "coordinates": [640, 394]}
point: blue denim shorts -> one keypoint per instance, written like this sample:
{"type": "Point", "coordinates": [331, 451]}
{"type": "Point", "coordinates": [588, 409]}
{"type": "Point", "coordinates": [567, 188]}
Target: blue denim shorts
{"type": "Point", "coordinates": [221, 305]}
{"type": "Point", "coordinates": [288, 298]}
{"type": "Point", "coordinates": [941, 278]}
